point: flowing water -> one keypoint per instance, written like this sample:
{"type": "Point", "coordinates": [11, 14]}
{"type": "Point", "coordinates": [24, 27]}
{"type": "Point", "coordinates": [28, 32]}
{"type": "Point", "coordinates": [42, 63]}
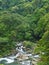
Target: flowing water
{"type": "Point", "coordinates": [11, 59]}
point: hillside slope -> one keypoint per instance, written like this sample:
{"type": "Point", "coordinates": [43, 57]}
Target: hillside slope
{"type": "Point", "coordinates": [24, 20]}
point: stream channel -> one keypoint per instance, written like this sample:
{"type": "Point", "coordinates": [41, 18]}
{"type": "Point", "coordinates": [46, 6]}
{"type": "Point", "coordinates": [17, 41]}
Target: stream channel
{"type": "Point", "coordinates": [21, 58]}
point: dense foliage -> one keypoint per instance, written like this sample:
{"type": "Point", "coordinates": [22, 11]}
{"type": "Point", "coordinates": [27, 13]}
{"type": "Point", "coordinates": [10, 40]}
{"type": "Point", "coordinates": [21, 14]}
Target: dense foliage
{"type": "Point", "coordinates": [25, 20]}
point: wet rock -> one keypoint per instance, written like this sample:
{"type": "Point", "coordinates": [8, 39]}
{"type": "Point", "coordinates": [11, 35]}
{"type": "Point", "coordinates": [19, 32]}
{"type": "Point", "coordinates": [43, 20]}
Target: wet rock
{"type": "Point", "coordinates": [22, 57]}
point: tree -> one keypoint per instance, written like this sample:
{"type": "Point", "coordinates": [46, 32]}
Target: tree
{"type": "Point", "coordinates": [43, 47]}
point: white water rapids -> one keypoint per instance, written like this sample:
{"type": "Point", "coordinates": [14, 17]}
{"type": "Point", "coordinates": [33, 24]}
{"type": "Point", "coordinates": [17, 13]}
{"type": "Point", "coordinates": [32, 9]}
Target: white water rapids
{"type": "Point", "coordinates": [11, 59]}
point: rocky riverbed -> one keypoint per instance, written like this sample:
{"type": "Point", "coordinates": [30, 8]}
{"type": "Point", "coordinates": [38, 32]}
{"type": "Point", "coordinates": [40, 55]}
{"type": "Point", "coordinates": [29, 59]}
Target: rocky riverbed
{"type": "Point", "coordinates": [21, 58]}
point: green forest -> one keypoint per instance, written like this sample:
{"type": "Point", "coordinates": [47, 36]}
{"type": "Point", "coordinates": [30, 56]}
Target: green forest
{"type": "Point", "coordinates": [25, 20]}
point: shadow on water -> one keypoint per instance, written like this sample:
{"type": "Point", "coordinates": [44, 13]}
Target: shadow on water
{"type": "Point", "coordinates": [14, 63]}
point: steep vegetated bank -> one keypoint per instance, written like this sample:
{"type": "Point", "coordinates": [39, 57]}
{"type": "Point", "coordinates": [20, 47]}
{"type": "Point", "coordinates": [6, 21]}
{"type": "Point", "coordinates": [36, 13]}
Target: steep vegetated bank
{"type": "Point", "coordinates": [25, 20]}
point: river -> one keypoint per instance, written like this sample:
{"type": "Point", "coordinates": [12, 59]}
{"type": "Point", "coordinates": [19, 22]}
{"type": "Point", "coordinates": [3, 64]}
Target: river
{"type": "Point", "coordinates": [21, 58]}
